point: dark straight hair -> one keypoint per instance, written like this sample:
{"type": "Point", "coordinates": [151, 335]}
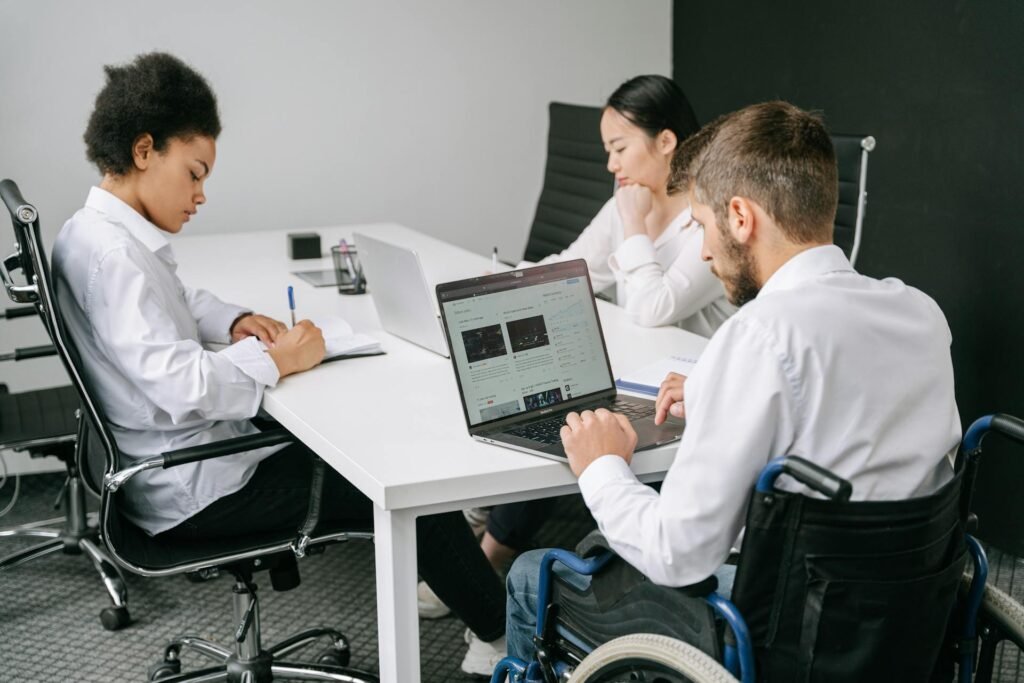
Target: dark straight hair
{"type": "Point", "coordinates": [655, 103]}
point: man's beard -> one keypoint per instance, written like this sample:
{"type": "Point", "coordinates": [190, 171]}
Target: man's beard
{"type": "Point", "coordinates": [740, 285]}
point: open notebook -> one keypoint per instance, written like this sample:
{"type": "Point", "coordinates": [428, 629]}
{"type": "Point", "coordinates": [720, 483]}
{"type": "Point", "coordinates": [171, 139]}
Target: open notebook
{"type": "Point", "coordinates": [342, 341]}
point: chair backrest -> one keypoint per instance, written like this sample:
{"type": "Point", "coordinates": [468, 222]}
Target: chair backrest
{"type": "Point", "coordinates": [576, 181]}
{"type": "Point", "coordinates": [854, 591]}
{"type": "Point", "coordinates": [852, 161]}
{"type": "Point", "coordinates": [30, 258]}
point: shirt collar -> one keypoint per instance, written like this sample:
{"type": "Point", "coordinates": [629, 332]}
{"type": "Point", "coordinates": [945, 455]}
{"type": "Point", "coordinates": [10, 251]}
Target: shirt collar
{"type": "Point", "coordinates": [140, 228]}
{"type": "Point", "coordinates": [808, 265]}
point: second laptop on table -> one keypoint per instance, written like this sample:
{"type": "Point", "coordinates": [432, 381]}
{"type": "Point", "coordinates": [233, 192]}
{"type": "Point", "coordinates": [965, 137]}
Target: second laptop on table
{"type": "Point", "coordinates": [527, 348]}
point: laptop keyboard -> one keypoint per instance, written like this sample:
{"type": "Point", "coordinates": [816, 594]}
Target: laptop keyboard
{"type": "Point", "coordinates": [548, 430]}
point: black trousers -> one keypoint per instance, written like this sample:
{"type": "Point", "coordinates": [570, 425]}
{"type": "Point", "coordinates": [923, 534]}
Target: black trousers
{"type": "Point", "coordinates": [515, 524]}
{"type": "Point", "coordinates": [277, 496]}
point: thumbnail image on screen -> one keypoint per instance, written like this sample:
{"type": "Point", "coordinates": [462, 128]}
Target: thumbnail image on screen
{"type": "Point", "coordinates": [483, 343]}
{"type": "Point", "coordinates": [542, 399]}
{"type": "Point", "coordinates": [527, 333]}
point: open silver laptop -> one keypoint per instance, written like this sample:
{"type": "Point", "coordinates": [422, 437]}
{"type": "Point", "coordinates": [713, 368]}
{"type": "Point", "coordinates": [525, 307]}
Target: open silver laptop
{"type": "Point", "coordinates": [527, 348]}
{"type": "Point", "coordinates": [404, 301]}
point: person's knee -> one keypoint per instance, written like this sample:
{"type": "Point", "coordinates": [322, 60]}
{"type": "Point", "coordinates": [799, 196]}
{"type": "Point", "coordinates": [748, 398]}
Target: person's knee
{"type": "Point", "coordinates": [524, 575]}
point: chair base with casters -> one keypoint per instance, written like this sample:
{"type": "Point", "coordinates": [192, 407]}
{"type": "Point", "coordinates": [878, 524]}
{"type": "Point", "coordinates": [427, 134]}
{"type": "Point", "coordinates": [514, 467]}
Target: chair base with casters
{"type": "Point", "coordinates": [77, 532]}
{"type": "Point", "coordinates": [746, 653]}
{"type": "Point", "coordinates": [247, 660]}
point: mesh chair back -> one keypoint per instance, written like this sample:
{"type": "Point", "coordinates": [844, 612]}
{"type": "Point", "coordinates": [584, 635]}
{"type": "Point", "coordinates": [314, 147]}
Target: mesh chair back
{"type": "Point", "coordinates": [576, 181]}
{"type": "Point", "coordinates": [852, 162]}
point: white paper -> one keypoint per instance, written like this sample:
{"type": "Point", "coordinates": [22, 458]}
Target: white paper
{"type": "Point", "coordinates": [652, 375]}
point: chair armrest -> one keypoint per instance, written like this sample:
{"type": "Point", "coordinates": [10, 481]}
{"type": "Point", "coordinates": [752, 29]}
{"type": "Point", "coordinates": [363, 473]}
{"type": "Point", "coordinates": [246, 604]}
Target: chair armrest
{"type": "Point", "coordinates": [29, 352]}
{"type": "Point", "coordinates": [112, 482]}
{"type": "Point", "coordinates": [226, 447]}
{"type": "Point", "coordinates": [18, 312]}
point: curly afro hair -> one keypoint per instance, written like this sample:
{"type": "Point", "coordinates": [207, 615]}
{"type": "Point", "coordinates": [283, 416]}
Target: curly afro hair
{"type": "Point", "coordinates": [157, 94]}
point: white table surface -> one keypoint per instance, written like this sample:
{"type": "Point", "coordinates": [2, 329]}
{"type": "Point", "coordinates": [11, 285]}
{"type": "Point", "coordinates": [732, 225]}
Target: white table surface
{"type": "Point", "coordinates": [393, 425]}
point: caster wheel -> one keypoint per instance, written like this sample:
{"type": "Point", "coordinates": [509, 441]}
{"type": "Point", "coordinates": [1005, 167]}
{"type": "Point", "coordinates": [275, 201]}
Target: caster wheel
{"type": "Point", "coordinates": [114, 618]}
{"type": "Point", "coordinates": [335, 655]}
{"type": "Point", "coordinates": [164, 669]}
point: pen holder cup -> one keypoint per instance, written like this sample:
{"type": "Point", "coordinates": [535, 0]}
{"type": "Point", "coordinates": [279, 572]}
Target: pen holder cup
{"type": "Point", "coordinates": [348, 271]}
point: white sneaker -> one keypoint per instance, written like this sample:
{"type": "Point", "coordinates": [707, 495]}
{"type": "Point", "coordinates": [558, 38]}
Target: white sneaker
{"type": "Point", "coordinates": [428, 604]}
{"type": "Point", "coordinates": [477, 518]}
{"type": "Point", "coordinates": [481, 657]}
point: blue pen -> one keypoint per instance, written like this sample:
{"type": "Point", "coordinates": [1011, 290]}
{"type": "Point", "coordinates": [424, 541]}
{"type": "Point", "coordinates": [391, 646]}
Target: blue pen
{"type": "Point", "coordinates": [291, 302]}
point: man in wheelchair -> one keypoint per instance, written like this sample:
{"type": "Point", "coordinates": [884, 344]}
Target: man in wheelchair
{"type": "Point", "coordinates": [850, 373]}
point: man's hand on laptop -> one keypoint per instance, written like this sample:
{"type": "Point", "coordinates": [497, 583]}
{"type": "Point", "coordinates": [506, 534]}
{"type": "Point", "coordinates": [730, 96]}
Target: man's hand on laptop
{"type": "Point", "coordinates": [670, 398]}
{"type": "Point", "coordinates": [589, 435]}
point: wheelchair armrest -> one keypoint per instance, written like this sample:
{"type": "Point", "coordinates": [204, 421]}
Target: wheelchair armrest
{"type": "Point", "coordinates": [17, 312]}
{"type": "Point", "coordinates": [30, 352]}
{"type": "Point", "coordinates": [206, 451]}
{"type": "Point", "coordinates": [592, 545]}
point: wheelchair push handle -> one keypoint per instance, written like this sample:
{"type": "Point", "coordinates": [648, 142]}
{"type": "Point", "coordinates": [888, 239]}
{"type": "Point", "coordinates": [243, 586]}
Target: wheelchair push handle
{"type": "Point", "coordinates": [807, 473]}
{"type": "Point", "coordinates": [18, 312]}
{"type": "Point", "coordinates": [1002, 423]}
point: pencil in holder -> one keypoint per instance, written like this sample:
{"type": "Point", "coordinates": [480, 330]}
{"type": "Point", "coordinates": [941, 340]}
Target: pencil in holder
{"type": "Point", "coordinates": [347, 270]}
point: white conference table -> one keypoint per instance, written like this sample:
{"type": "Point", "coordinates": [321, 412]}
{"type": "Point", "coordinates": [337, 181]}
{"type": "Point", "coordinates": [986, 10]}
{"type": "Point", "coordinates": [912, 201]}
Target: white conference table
{"type": "Point", "coordinates": [393, 424]}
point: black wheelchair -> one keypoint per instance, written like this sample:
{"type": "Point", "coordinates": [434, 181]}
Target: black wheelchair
{"type": "Point", "coordinates": [829, 590]}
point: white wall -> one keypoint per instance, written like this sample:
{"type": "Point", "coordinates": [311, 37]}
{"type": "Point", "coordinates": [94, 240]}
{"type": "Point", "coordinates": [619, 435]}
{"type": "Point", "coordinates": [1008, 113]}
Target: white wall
{"type": "Point", "coordinates": [431, 114]}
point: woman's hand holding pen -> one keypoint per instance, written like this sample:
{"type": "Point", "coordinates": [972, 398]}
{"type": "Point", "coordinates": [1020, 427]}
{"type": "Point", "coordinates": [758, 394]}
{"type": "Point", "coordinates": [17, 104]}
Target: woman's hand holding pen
{"type": "Point", "coordinates": [635, 203]}
{"type": "Point", "coordinates": [267, 330]}
{"type": "Point", "coordinates": [670, 398]}
{"type": "Point", "coordinates": [298, 349]}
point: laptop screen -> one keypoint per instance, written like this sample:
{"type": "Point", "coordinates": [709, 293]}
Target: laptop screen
{"type": "Point", "coordinates": [525, 340]}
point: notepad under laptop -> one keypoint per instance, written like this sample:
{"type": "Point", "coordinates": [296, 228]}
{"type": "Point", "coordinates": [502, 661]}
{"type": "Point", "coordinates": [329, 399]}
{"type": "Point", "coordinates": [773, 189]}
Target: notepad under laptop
{"type": "Point", "coordinates": [527, 348]}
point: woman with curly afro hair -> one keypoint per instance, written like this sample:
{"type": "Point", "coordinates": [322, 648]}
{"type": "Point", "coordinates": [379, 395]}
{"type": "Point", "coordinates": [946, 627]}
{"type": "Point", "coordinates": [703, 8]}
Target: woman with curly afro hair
{"type": "Point", "coordinates": [141, 334]}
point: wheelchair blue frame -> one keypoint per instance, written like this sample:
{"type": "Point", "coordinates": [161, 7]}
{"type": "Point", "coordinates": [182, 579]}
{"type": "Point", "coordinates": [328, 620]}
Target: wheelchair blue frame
{"type": "Point", "coordinates": [739, 659]}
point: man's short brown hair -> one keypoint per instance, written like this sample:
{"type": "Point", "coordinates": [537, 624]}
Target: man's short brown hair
{"type": "Point", "coordinates": [779, 156]}
{"type": "Point", "coordinates": [681, 165]}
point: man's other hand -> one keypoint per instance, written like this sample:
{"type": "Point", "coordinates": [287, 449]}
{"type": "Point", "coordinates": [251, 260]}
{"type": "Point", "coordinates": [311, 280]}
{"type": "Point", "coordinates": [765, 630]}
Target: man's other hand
{"type": "Point", "coordinates": [670, 398]}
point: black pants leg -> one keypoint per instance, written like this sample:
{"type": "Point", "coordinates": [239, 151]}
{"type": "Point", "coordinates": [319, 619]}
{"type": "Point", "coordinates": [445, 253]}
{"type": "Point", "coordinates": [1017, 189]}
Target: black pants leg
{"type": "Point", "coordinates": [515, 524]}
{"type": "Point", "coordinates": [277, 496]}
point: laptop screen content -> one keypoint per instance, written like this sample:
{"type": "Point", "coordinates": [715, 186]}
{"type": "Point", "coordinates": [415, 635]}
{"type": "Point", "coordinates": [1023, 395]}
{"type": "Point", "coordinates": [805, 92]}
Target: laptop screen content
{"type": "Point", "coordinates": [525, 341]}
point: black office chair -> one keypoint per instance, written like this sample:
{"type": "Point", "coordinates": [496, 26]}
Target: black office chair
{"type": "Point", "coordinates": [131, 548]}
{"type": "Point", "coordinates": [44, 422]}
{"type": "Point", "coordinates": [852, 161]}
{"type": "Point", "coordinates": [576, 180]}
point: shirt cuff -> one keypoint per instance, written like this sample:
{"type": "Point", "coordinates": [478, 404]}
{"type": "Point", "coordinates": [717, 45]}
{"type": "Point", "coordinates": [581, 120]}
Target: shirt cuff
{"type": "Point", "coordinates": [249, 357]}
{"type": "Point", "coordinates": [216, 326]}
{"type": "Point", "coordinates": [634, 252]}
{"type": "Point", "coordinates": [603, 471]}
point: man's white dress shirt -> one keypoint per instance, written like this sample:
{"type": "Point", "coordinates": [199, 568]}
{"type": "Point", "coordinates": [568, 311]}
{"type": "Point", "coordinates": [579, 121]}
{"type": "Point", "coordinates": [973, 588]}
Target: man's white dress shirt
{"type": "Point", "coordinates": [850, 372]}
{"type": "Point", "coordinates": [140, 333]}
{"type": "Point", "coordinates": [663, 282]}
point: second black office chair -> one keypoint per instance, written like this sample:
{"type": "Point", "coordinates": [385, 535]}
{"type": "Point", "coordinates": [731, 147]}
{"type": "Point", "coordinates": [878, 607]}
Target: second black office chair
{"type": "Point", "coordinates": [576, 181]}
{"type": "Point", "coordinates": [130, 547]}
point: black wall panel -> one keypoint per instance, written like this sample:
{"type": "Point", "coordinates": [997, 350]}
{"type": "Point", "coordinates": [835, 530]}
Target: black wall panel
{"type": "Point", "coordinates": [940, 84]}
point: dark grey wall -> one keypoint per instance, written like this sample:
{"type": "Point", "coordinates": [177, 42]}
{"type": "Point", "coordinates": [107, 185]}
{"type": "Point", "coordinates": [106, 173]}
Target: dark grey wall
{"type": "Point", "coordinates": [940, 84]}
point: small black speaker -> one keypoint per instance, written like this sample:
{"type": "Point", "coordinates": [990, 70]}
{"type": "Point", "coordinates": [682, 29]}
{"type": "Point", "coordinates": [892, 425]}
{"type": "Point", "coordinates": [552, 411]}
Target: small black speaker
{"type": "Point", "coordinates": [303, 245]}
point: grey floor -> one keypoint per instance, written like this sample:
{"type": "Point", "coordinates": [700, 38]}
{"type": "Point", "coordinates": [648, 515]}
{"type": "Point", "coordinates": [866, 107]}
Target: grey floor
{"type": "Point", "coordinates": [49, 608]}
{"type": "Point", "coordinates": [50, 631]}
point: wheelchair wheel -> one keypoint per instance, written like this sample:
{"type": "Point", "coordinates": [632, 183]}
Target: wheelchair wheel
{"type": "Point", "coordinates": [649, 658]}
{"type": "Point", "coordinates": [1005, 612]}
